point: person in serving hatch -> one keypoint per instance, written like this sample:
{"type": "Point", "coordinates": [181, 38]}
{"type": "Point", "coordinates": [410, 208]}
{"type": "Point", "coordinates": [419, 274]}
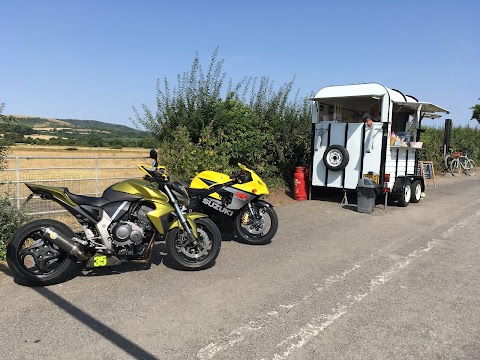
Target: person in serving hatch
{"type": "Point", "coordinates": [373, 115]}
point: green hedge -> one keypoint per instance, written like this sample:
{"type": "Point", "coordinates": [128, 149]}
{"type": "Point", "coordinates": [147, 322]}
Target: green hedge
{"type": "Point", "coordinates": [462, 138]}
{"type": "Point", "coordinates": [10, 220]}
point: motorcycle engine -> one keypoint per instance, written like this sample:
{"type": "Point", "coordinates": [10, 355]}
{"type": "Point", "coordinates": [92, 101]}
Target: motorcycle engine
{"type": "Point", "coordinates": [128, 237]}
{"type": "Point", "coordinates": [126, 233]}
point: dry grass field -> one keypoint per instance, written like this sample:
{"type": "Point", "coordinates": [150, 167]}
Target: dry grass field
{"type": "Point", "coordinates": [71, 159]}
{"type": "Point", "coordinates": [44, 137]}
{"type": "Point", "coordinates": [27, 150]}
{"type": "Point", "coordinates": [76, 170]}
{"type": "Point", "coordinates": [56, 162]}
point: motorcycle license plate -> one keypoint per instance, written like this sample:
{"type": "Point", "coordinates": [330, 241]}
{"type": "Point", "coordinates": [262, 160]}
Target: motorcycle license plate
{"type": "Point", "coordinates": [373, 177]}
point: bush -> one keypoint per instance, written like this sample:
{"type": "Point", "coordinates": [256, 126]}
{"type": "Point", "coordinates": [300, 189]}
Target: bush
{"type": "Point", "coordinates": [10, 220]}
{"type": "Point", "coordinates": [197, 129]}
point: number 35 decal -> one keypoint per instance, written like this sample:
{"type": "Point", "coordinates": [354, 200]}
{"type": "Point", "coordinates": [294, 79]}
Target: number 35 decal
{"type": "Point", "coordinates": [100, 261]}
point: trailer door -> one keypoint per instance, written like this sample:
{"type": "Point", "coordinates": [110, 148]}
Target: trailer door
{"type": "Point", "coordinates": [362, 144]}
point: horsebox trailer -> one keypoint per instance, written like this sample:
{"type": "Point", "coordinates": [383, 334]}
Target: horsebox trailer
{"type": "Point", "coordinates": [346, 149]}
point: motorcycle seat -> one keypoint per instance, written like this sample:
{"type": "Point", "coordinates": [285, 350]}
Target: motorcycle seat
{"type": "Point", "coordinates": [86, 200]}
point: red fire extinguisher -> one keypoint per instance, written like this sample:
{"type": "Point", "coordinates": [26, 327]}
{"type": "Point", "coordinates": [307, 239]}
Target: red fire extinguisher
{"type": "Point", "coordinates": [299, 188]}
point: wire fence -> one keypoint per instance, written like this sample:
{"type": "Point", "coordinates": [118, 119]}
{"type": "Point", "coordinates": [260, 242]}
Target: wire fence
{"type": "Point", "coordinates": [83, 175]}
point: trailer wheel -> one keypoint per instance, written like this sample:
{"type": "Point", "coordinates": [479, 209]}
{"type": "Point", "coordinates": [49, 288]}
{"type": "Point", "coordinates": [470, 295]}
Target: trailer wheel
{"type": "Point", "coordinates": [416, 188]}
{"type": "Point", "coordinates": [335, 157]}
{"type": "Point", "coordinates": [406, 195]}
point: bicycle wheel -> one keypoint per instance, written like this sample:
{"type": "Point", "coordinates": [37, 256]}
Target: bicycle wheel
{"type": "Point", "coordinates": [455, 167]}
{"type": "Point", "coordinates": [470, 168]}
{"type": "Point", "coordinates": [448, 161]}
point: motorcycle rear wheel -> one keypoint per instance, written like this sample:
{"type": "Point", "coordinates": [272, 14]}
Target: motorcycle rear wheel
{"type": "Point", "coordinates": [258, 231]}
{"type": "Point", "coordinates": [195, 256]}
{"type": "Point", "coordinates": [37, 261]}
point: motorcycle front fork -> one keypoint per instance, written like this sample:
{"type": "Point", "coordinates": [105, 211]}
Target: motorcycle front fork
{"type": "Point", "coordinates": [253, 212]}
{"type": "Point", "coordinates": [181, 217]}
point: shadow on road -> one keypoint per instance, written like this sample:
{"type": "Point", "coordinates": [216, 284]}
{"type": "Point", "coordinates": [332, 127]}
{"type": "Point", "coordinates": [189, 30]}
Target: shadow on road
{"type": "Point", "coordinates": [108, 333]}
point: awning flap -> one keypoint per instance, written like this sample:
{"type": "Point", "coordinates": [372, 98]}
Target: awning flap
{"type": "Point", "coordinates": [424, 107]}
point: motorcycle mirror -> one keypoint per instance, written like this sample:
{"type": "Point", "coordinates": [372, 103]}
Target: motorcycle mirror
{"type": "Point", "coordinates": [235, 160]}
{"type": "Point", "coordinates": [154, 154]}
{"type": "Point", "coordinates": [243, 159]}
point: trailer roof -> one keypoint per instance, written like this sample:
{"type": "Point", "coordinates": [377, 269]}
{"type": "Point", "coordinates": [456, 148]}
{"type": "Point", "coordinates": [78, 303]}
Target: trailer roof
{"type": "Point", "coordinates": [333, 94]}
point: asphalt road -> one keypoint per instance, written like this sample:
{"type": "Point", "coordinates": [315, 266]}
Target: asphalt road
{"type": "Point", "coordinates": [334, 284]}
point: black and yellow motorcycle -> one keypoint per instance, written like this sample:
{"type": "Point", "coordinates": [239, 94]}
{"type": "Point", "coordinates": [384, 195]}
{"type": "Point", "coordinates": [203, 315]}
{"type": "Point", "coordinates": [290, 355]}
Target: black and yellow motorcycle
{"type": "Point", "coordinates": [119, 226]}
{"type": "Point", "coordinates": [235, 200]}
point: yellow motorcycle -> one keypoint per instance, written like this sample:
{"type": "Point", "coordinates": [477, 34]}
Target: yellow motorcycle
{"type": "Point", "coordinates": [119, 226]}
{"type": "Point", "coordinates": [237, 200]}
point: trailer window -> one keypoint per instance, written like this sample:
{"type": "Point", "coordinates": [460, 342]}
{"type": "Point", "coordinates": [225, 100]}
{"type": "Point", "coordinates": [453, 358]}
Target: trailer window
{"type": "Point", "coordinates": [345, 109]}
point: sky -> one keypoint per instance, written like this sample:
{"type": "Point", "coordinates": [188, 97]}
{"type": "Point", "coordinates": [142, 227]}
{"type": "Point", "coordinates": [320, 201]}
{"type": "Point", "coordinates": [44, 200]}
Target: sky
{"type": "Point", "coordinates": [95, 60]}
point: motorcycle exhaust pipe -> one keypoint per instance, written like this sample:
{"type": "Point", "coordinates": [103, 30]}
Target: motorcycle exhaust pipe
{"type": "Point", "coordinates": [68, 245]}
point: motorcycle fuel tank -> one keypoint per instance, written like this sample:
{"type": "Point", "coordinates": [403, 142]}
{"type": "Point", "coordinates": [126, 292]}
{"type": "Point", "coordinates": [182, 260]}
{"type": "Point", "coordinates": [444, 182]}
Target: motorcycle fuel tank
{"type": "Point", "coordinates": [142, 188]}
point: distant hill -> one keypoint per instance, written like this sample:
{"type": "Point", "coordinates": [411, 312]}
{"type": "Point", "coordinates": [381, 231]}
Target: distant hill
{"type": "Point", "coordinates": [98, 125]}
{"type": "Point", "coordinates": [37, 122]}
{"type": "Point", "coordinates": [73, 132]}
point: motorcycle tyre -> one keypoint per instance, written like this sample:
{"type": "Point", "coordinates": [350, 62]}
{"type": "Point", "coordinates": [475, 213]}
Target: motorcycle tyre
{"type": "Point", "coordinates": [256, 240]}
{"type": "Point", "coordinates": [182, 263]}
{"type": "Point", "coordinates": [58, 275]}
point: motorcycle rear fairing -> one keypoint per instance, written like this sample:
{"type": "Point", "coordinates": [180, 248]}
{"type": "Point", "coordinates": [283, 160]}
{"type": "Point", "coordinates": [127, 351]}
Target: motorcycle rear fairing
{"type": "Point", "coordinates": [232, 193]}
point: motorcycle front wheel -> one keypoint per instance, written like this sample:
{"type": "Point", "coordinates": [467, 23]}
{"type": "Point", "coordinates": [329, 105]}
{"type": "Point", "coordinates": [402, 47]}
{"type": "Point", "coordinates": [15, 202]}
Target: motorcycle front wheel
{"type": "Point", "coordinates": [256, 226]}
{"type": "Point", "coordinates": [37, 261]}
{"type": "Point", "coordinates": [197, 255]}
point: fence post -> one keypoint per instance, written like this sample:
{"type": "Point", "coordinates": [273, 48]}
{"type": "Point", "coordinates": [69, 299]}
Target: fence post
{"type": "Point", "coordinates": [17, 176]}
{"type": "Point", "coordinates": [96, 176]}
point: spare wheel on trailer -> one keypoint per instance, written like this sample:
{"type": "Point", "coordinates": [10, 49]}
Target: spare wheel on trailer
{"type": "Point", "coordinates": [335, 157]}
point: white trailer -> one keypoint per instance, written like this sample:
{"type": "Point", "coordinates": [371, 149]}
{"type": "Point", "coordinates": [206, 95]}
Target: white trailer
{"type": "Point", "coordinates": [344, 148]}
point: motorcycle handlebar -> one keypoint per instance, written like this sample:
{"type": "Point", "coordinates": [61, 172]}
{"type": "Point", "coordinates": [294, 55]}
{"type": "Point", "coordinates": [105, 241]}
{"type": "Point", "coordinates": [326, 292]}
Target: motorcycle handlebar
{"type": "Point", "coordinates": [155, 176]}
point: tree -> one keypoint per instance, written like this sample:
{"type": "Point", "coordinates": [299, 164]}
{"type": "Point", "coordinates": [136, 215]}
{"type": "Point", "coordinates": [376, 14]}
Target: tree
{"type": "Point", "coordinates": [4, 120]}
{"type": "Point", "coordinates": [476, 112]}
{"type": "Point", "coordinates": [191, 104]}
{"type": "Point", "coordinates": [200, 124]}
{"type": "Point", "coordinates": [12, 137]}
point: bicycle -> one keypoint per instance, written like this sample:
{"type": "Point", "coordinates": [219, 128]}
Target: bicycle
{"type": "Point", "coordinates": [461, 164]}
{"type": "Point", "coordinates": [450, 156]}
